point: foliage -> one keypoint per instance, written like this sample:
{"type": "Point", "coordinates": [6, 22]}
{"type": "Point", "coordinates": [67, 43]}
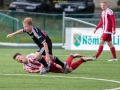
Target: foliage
{"type": "Point", "coordinates": [118, 3]}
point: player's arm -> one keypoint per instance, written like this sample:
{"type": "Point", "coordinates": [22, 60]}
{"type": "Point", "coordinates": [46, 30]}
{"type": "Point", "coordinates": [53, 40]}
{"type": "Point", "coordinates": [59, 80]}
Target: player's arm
{"type": "Point", "coordinates": [113, 24]}
{"type": "Point", "coordinates": [14, 33]}
{"type": "Point", "coordinates": [98, 25]}
{"type": "Point", "coordinates": [32, 71]}
{"type": "Point", "coordinates": [42, 40]}
{"type": "Point", "coordinates": [46, 51]}
{"type": "Point", "coordinates": [28, 69]}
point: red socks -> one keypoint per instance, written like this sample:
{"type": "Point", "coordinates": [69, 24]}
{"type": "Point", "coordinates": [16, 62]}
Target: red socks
{"type": "Point", "coordinates": [73, 65]}
{"type": "Point", "coordinates": [113, 52]}
{"type": "Point", "coordinates": [99, 51]}
{"type": "Point", "coordinates": [76, 64]}
{"type": "Point", "coordinates": [69, 60]}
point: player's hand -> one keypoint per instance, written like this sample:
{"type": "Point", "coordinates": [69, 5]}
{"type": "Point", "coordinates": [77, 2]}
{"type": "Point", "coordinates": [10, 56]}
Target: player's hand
{"type": "Point", "coordinates": [95, 31]}
{"type": "Point", "coordinates": [30, 71]}
{"type": "Point", "coordinates": [35, 71]}
{"type": "Point", "coordinates": [113, 32]}
{"type": "Point", "coordinates": [9, 35]}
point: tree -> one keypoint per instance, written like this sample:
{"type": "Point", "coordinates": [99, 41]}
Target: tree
{"type": "Point", "coordinates": [118, 3]}
{"type": "Point", "coordinates": [1, 3]}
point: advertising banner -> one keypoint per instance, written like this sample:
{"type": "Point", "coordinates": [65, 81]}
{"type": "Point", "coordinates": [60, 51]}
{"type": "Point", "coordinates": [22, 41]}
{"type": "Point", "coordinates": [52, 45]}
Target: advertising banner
{"type": "Point", "coordinates": [85, 39]}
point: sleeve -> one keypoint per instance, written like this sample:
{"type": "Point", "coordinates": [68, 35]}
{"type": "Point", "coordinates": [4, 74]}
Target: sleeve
{"type": "Point", "coordinates": [24, 31]}
{"type": "Point", "coordinates": [39, 36]}
{"type": "Point", "coordinates": [113, 22]}
{"type": "Point", "coordinates": [42, 39]}
{"type": "Point", "coordinates": [100, 23]}
{"type": "Point", "coordinates": [26, 68]}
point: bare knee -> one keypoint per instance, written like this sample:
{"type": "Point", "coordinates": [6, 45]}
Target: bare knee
{"type": "Point", "coordinates": [109, 44]}
{"type": "Point", "coordinates": [37, 56]}
{"type": "Point", "coordinates": [101, 42]}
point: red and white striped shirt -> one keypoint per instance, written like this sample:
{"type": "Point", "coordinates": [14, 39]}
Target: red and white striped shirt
{"type": "Point", "coordinates": [108, 21]}
{"type": "Point", "coordinates": [32, 63]}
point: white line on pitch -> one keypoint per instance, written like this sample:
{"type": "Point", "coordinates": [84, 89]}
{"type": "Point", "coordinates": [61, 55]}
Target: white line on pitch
{"type": "Point", "coordinates": [97, 79]}
{"type": "Point", "coordinates": [113, 89]}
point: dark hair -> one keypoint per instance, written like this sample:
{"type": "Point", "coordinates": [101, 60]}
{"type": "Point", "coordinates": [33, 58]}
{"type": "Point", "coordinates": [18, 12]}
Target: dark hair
{"type": "Point", "coordinates": [16, 55]}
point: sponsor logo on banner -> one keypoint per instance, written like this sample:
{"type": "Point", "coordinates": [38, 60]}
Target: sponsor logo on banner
{"type": "Point", "coordinates": [79, 39]}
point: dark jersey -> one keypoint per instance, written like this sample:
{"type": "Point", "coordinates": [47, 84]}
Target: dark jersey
{"type": "Point", "coordinates": [39, 36]}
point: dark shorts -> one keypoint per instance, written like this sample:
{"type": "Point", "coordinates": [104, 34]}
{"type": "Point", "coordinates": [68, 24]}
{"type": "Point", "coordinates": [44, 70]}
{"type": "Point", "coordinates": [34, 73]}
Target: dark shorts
{"type": "Point", "coordinates": [106, 37]}
{"type": "Point", "coordinates": [42, 50]}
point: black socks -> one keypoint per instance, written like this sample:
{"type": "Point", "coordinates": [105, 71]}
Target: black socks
{"type": "Point", "coordinates": [41, 60]}
{"type": "Point", "coordinates": [56, 60]}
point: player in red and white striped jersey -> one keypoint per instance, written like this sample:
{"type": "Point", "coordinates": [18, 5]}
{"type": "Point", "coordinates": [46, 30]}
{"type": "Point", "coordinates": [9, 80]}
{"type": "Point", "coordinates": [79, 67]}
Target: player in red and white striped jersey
{"type": "Point", "coordinates": [107, 20]}
{"type": "Point", "coordinates": [33, 66]}
{"type": "Point", "coordinates": [29, 62]}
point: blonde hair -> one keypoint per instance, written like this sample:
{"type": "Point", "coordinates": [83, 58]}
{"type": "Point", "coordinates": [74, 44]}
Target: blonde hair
{"type": "Point", "coordinates": [28, 21]}
{"type": "Point", "coordinates": [104, 2]}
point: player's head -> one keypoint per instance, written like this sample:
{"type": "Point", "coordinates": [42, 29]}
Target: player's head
{"type": "Point", "coordinates": [103, 5]}
{"type": "Point", "coordinates": [27, 24]}
{"type": "Point", "coordinates": [20, 58]}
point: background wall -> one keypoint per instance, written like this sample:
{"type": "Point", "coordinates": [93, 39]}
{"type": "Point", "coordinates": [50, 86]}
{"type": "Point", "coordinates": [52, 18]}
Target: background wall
{"type": "Point", "coordinates": [110, 3]}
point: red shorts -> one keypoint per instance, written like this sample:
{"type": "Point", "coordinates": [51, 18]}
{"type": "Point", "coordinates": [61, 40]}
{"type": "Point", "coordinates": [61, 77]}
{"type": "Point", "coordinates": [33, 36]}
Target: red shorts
{"type": "Point", "coordinates": [54, 69]}
{"type": "Point", "coordinates": [106, 37]}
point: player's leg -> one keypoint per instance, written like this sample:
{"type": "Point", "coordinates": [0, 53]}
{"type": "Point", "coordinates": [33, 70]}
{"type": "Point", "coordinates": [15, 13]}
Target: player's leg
{"type": "Point", "coordinates": [74, 65]}
{"type": "Point", "coordinates": [113, 51]}
{"type": "Point", "coordinates": [56, 59]}
{"type": "Point", "coordinates": [38, 56]}
{"type": "Point", "coordinates": [100, 49]}
{"type": "Point", "coordinates": [79, 62]}
{"type": "Point", "coordinates": [56, 68]}
{"type": "Point", "coordinates": [71, 57]}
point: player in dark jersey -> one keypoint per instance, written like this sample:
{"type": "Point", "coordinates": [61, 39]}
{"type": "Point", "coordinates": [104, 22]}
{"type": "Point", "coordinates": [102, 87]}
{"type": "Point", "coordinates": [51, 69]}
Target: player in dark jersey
{"type": "Point", "coordinates": [42, 40]}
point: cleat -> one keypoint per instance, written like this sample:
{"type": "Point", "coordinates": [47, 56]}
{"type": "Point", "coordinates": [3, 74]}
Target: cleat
{"type": "Point", "coordinates": [75, 55]}
{"type": "Point", "coordinates": [94, 58]}
{"type": "Point", "coordinates": [87, 59]}
{"type": "Point", "coordinates": [65, 69]}
{"type": "Point", "coordinates": [112, 59]}
{"type": "Point", "coordinates": [42, 71]}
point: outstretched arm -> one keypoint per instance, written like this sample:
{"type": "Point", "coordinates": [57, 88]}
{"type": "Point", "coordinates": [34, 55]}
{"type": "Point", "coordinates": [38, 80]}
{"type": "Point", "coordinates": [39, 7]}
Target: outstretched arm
{"type": "Point", "coordinates": [98, 25]}
{"type": "Point", "coordinates": [14, 33]}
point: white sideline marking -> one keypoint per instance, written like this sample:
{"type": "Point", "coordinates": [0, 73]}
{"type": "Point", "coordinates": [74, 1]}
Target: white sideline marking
{"type": "Point", "coordinates": [114, 89]}
{"type": "Point", "coordinates": [98, 79]}
{"type": "Point", "coordinates": [12, 54]}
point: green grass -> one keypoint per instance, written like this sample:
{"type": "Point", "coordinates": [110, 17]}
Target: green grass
{"type": "Point", "coordinates": [96, 73]}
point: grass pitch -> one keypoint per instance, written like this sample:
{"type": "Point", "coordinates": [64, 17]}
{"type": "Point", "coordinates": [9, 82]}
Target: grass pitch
{"type": "Point", "coordinates": [93, 75]}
